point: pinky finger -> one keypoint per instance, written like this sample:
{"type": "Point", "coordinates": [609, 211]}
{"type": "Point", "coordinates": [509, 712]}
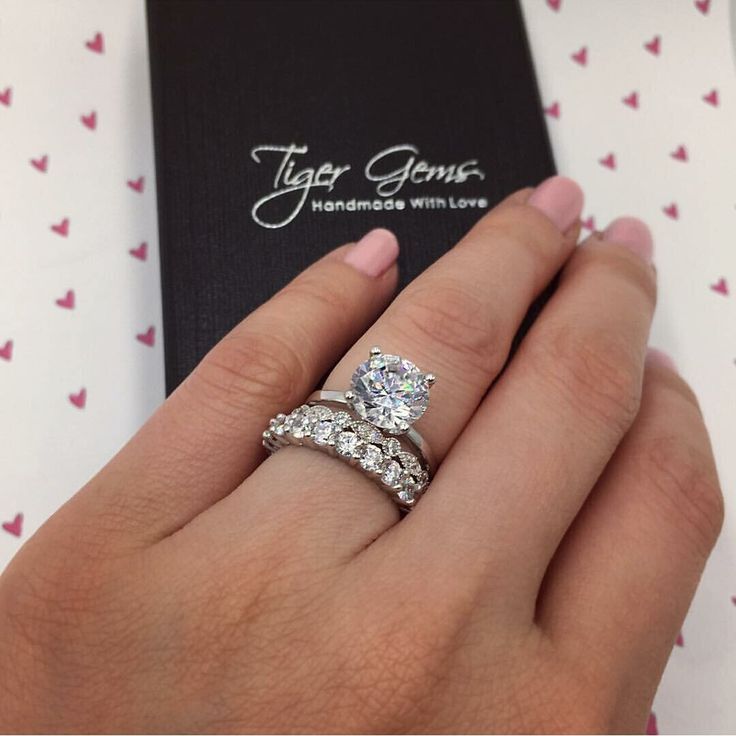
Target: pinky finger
{"type": "Point", "coordinates": [621, 583]}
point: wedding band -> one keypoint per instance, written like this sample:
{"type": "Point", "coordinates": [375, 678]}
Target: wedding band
{"type": "Point", "coordinates": [388, 393]}
{"type": "Point", "coordinates": [416, 439]}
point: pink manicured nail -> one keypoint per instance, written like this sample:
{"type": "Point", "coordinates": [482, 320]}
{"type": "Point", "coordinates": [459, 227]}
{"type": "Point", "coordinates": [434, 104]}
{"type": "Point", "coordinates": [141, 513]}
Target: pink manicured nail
{"type": "Point", "coordinates": [659, 357]}
{"type": "Point", "coordinates": [559, 198]}
{"type": "Point", "coordinates": [374, 253]}
{"type": "Point", "coordinates": [632, 234]}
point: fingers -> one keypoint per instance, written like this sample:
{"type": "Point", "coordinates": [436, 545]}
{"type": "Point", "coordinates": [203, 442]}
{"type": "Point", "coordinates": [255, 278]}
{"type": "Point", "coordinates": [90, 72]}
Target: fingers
{"type": "Point", "coordinates": [519, 473]}
{"type": "Point", "coordinates": [623, 579]}
{"type": "Point", "coordinates": [206, 437]}
{"type": "Point", "coordinates": [457, 320]}
{"type": "Point", "coordinates": [459, 317]}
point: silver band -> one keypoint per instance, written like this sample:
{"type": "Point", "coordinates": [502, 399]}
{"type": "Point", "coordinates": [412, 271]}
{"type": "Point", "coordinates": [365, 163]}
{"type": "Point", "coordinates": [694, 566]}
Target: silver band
{"type": "Point", "coordinates": [395, 465]}
{"type": "Point", "coordinates": [338, 397]}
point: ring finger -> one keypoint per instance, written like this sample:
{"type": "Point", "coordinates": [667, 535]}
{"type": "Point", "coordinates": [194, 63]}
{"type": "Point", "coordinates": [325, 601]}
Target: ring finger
{"type": "Point", "coordinates": [458, 319]}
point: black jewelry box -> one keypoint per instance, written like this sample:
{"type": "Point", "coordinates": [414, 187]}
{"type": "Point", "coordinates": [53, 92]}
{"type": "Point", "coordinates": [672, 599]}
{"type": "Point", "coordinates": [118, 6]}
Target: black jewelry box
{"type": "Point", "coordinates": [284, 129]}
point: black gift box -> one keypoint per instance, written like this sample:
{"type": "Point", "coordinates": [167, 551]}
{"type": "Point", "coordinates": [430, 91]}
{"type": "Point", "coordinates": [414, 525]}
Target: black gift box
{"type": "Point", "coordinates": [284, 129]}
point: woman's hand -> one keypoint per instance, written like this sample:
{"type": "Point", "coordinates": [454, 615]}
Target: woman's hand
{"type": "Point", "coordinates": [538, 586]}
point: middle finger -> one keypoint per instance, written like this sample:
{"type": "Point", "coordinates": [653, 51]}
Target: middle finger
{"type": "Point", "coordinates": [458, 319]}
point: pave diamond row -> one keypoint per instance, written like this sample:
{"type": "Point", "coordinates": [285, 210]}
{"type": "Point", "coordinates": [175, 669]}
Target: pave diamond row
{"type": "Point", "coordinates": [384, 458]}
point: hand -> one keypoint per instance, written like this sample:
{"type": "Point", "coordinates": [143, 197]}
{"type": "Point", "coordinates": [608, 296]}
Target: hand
{"type": "Point", "coordinates": [538, 586]}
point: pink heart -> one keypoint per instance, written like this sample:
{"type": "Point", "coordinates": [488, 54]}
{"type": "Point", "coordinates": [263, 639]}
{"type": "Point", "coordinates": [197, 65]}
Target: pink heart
{"type": "Point", "coordinates": [608, 161]}
{"type": "Point", "coordinates": [6, 96]}
{"type": "Point", "coordinates": [720, 287]}
{"type": "Point", "coordinates": [40, 163]}
{"type": "Point", "coordinates": [581, 56]}
{"type": "Point", "coordinates": [62, 228]}
{"type": "Point", "coordinates": [554, 4]}
{"type": "Point", "coordinates": [652, 725]}
{"type": "Point", "coordinates": [703, 6]}
{"type": "Point", "coordinates": [588, 223]}
{"type": "Point", "coordinates": [653, 45]}
{"type": "Point", "coordinates": [67, 301]}
{"type": "Point", "coordinates": [141, 252]}
{"type": "Point", "coordinates": [671, 211]}
{"type": "Point", "coordinates": [632, 100]}
{"type": "Point", "coordinates": [712, 97]}
{"type": "Point", "coordinates": [6, 351]}
{"type": "Point", "coordinates": [136, 185]}
{"type": "Point", "coordinates": [553, 110]}
{"type": "Point", "coordinates": [147, 337]}
{"type": "Point", "coordinates": [680, 642]}
{"type": "Point", "coordinates": [14, 527]}
{"type": "Point", "coordinates": [680, 153]}
{"type": "Point", "coordinates": [90, 120]}
{"type": "Point", "coordinates": [79, 399]}
{"type": "Point", "coordinates": [96, 44]}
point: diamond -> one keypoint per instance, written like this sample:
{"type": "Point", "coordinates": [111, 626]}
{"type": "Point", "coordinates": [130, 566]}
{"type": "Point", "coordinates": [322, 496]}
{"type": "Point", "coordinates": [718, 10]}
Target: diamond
{"type": "Point", "coordinates": [389, 392]}
{"type": "Point", "coordinates": [323, 431]}
{"type": "Point", "coordinates": [319, 412]}
{"type": "Point", "coordinates": [347, 444]}
{"type": "Point", "coordinates": [341, 419]}
{"type": "Point", "coordinates": [392, 473]}
{"type": "Point", "coordinates": [368, 432]}
{"type": "Point", "coordinates": [392, 447]}
{"type": "Point", "coordinates": [410, 463]}
{"type": "Point", "coordinates": [406, 496]}
{"type": "Point", "coordinates": [372, 458]}
{"type": "Point", "coordinates": [298, 422]}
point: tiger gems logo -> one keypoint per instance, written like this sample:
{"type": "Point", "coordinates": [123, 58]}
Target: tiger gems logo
{"type": "Point", "coordinates": [394, 172]}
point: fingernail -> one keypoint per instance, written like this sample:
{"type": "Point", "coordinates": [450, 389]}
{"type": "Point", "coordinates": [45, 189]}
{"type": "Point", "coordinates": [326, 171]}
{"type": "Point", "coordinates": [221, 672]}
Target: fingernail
{"type": "Point", "coordinates": [560, 198]}
{"type": "Point", "coordinates": [659, 357]}
{"type": "Point", "coordinates": [632, 234]}
{"type": "Point", "coordinates": [374, 253]}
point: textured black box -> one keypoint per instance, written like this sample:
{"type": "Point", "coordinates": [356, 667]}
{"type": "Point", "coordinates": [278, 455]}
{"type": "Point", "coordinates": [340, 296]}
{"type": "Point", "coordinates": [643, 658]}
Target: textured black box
{"type": "Point", "coordinates": [248, 96]}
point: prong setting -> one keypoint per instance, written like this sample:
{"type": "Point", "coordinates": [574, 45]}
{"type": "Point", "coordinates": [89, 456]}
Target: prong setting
{"type": "Point", "coordinates": [389, 391]}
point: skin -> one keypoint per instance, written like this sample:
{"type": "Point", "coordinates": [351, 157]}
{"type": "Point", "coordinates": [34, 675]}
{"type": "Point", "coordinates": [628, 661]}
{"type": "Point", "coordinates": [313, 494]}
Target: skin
{"type": "Point", "coordinates": [539, 585]}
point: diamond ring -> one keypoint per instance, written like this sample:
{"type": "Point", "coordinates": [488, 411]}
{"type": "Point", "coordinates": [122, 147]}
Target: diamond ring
{"type": "Point", "coordinates": [388, 394]}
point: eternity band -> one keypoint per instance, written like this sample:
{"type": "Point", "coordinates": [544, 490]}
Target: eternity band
{"type": "Point", "coordinates": [416, 439]}
{"type": "Point", "coordinates": [402, 474]}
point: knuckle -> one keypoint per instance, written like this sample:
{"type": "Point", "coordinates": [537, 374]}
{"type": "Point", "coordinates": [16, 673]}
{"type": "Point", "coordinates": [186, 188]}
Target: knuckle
{"type": "Point", "coordinates": [685, 488]}
{"type": "Point", "coordinates": [597, 374]}
{"type": "Point", "coordinates": [617, 262]}
{"type": "Point", "coordinates": [522, 229]}
{"type": "Point", "coordinates": [249, 368]}
{"type": "Point", "coordinates": [445, 315]}
{"type": "Point", "coordinates": [314, 294]}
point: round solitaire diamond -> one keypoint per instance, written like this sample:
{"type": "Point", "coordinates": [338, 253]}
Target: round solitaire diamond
{"type": "Point", "coordinates": [372, 458]}
{"type": "Point", "coordinates": [347, 444]}
{"type": "Point", "coordinates": [390, 392]}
